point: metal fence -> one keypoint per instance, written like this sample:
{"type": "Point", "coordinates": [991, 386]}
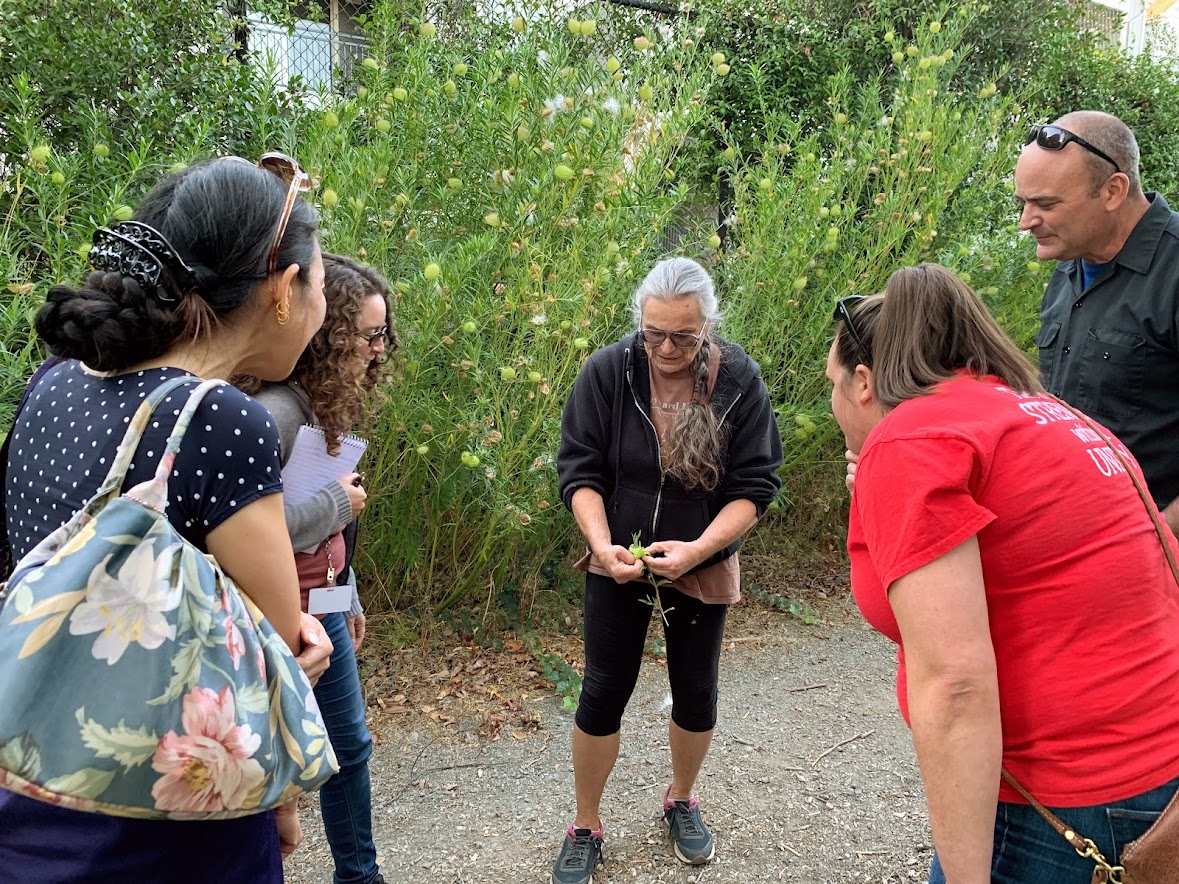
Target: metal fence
{"type": "Point", "coordinates": [327, 41]}
{"type": "Point", "coordinates": [1103, 19]}
{"type": "Point", "coordinates": [320, 52]}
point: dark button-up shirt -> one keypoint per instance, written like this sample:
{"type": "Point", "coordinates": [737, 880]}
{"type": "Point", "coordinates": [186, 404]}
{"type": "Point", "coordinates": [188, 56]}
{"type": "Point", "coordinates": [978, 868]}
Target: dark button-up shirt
{"type": "Point", "coordinates": [1112, 350]}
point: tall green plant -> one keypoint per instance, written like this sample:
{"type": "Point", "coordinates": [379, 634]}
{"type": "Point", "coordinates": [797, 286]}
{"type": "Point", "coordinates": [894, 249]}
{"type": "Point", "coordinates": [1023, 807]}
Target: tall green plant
{"type": "Point", "coordinates": [907, 169]}
{"type": "Point", "coordinates": [512, 194]}
{"type": "Point", "coordinates": [142, 68]}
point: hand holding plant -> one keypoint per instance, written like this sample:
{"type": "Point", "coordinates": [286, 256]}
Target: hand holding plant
{"type": "Point", "coordinates": [621, 563]}
{"type": "Point", "coordinates": [640, 553]}
{"type": "Point", "coordinates": [672, 558]}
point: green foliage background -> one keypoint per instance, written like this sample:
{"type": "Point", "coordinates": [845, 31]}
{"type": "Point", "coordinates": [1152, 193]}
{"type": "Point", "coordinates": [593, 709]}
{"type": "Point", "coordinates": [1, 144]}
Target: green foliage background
{"type": "Point", "coordinates": [516, 181]}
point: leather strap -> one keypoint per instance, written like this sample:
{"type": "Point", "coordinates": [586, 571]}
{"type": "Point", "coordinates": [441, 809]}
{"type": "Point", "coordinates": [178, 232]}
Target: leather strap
{"type": "Point", "coordinates": [1082, 845]}
{"type": "Point", "coordinates": [1054, 821]}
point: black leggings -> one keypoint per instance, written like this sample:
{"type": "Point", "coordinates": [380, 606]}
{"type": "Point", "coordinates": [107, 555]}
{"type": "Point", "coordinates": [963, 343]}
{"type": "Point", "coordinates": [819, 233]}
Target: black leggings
{"type": "Point", "coordinates": [615, 630]}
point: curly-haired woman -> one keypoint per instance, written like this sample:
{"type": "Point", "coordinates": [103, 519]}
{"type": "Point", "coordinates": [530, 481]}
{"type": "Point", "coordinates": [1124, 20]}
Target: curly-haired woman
{"type": "Point", "coordinates": [331, 386]}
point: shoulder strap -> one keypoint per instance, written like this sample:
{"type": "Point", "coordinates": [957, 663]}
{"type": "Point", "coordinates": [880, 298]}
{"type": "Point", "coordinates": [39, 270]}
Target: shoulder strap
{"type": "Point", "coordinates": [154, 492]}
{"type": "Point", "coordinates": [1062, 828]}
{"type": "Point", "coordinates": [117, 474]}
{"type": "Point", "coordinates": [181, 426]}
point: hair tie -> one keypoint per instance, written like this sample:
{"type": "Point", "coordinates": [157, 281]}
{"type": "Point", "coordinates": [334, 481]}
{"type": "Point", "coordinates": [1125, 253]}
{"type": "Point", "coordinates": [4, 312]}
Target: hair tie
{"type": "Point", "coordinates": [141, 252]}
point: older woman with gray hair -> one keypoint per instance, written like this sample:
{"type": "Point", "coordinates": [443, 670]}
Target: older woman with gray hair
{"type": "Point", "coordinates": [668, 442]}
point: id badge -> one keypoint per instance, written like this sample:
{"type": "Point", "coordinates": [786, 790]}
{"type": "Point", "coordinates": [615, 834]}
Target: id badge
{"type": "Point", "coordinates": [329, 599]}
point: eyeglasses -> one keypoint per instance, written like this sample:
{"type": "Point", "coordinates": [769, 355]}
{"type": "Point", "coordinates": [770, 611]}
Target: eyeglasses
{"type": "Point", "coordinates": [382, 333]}
{"type": "Point", "coordinates": [844, 314]}
{"type": "Point", "coordinates": [654, 337]}
{"type": "Point", "coordinates": [1055, 138]}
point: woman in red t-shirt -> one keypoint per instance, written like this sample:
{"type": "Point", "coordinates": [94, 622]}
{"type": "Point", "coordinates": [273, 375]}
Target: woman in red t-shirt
{"type": "Point", "coordinates": [998, 539]}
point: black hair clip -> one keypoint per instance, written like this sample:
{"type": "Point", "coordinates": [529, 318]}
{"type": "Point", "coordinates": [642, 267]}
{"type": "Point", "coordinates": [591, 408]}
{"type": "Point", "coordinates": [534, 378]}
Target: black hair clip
{"type": "Point", "coordinates": [141, 252]}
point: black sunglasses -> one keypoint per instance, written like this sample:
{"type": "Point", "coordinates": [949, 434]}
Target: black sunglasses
{"type": "Point", "coordinates": [382, 333]}
{"type": "Point", "coordinates": [1055, 138]}
{"type": "Point", "coordinates": [843, 314]}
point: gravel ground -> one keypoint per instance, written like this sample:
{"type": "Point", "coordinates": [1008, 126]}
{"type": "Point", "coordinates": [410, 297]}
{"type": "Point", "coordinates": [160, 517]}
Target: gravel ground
{"type": "Point", "coordinates": [811, 777]}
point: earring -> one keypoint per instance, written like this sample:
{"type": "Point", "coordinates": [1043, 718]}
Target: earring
{"type": "Point", "coordinates": [283, 311]}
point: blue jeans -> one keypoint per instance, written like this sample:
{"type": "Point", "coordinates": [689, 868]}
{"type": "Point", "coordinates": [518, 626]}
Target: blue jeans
{"type": "Point", "coordinates": [1029, 851]}
{"type": "Point", "coordinates": [346, 799]}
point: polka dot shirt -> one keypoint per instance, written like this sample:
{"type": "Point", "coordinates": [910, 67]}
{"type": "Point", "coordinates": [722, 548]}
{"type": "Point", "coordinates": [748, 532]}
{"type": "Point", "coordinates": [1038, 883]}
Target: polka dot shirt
{"type": "Point", "coordinates": [64, 441]}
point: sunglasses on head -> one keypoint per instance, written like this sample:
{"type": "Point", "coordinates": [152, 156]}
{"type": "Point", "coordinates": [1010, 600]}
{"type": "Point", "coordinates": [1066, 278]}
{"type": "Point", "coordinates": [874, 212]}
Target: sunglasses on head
{"type": "Point", "coordinates": [843, 313]}
{"type": "Point", "coordinates": [1055, 138]}
{"type": "Point", "coordinates": [654, 337]}
{"type": "Point", "coordinates": [297, 181]}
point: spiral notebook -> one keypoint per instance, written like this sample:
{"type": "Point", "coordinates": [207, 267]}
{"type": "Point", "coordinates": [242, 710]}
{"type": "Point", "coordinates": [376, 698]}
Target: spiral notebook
{"type": "Point", "coordinates": [310, 468]}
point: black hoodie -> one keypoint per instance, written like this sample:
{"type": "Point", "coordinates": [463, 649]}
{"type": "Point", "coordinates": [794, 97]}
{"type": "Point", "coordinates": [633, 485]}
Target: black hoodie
{"type": "Point", "coordinates": [609, 444]}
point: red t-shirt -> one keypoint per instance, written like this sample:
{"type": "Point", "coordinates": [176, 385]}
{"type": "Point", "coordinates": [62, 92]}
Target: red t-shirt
{"type": "Point", "coordinates": [1083, 608]}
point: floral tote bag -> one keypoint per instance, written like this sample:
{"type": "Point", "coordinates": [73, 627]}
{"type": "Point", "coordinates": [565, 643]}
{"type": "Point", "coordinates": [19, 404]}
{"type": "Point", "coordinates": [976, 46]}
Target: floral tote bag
{"type": "Point", "coordinates": [135, 679]}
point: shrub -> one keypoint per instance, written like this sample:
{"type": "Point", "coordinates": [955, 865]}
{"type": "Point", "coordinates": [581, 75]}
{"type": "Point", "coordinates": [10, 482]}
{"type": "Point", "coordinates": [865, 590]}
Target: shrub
{"type": "Point", "coordinates": [515, 185]}
{"type": "Point", "coordinates": [513, 202]}
{"type": "Point", "coordinates": [906, 169]}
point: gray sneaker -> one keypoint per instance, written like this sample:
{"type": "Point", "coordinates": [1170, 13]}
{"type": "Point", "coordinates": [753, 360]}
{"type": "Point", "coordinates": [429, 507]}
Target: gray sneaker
{"type": "Point", "coordinates": [693, 842]}
{"type": "Point", "coordinates": [580, 855]}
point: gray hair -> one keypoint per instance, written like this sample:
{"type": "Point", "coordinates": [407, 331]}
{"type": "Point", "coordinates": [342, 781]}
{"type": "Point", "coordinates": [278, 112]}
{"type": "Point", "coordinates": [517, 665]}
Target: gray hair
{"type": "Point", "coordinates": [695, 454]}
{"type": "Point", "coordinates": [1109, 134]}
{"type": "Point", "coordinates": [675, 278]}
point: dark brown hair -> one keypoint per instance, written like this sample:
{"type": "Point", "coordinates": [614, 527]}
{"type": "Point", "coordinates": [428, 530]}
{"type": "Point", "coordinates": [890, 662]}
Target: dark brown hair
{"type": "Point", "coordinates": [340, 400]}
{"type": "Point", "coordinates": [220, 219]}
{"type": "Point", "coordinates": [927, 326]}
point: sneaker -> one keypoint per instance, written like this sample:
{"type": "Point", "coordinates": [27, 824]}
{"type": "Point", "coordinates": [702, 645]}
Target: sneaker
{"type": "Point", "coordinates": [693, 842]}
{"type": "Point", "coordinates": [580, 855]}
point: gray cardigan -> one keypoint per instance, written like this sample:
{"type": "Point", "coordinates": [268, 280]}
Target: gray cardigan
{"type": "Point", "coordinates": [316, 519]}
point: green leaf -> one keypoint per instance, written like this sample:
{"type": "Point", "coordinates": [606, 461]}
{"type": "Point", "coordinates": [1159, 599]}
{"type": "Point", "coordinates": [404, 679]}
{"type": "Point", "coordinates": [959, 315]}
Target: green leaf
{"type": "Point", "coordinates": [21, 756]}
{"type": "Point", "coordinates": [128, 747]}
{"type": "Point", "coordinates": [88, 782]}
{"type": "Point", "coordinates": [253, 699]}
{"type": "Point", "coordinates": [186, 671]}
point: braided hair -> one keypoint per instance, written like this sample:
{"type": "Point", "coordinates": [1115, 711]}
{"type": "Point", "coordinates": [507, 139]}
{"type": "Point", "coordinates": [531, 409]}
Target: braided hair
{"type": "Point", "coordinates": [218, 218]}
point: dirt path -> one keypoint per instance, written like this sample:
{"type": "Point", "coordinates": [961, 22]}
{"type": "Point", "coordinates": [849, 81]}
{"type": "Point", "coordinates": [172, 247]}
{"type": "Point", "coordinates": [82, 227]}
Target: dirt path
{"type": "Point", "coordinates": [811, 777]}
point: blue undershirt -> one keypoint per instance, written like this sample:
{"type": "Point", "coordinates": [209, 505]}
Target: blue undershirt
{"type": "Point", "coordinates": [1090, 272]}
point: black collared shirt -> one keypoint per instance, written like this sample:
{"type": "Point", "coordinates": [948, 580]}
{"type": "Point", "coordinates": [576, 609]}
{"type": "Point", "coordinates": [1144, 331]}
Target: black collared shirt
{"type": "Point", "coordinates": [1112, 350]}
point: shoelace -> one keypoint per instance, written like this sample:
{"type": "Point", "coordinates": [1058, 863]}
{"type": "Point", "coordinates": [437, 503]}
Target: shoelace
{"type": "Point", "coordinates": [581, 852]}
{"type": "Point", "coordinates": [686, 819]}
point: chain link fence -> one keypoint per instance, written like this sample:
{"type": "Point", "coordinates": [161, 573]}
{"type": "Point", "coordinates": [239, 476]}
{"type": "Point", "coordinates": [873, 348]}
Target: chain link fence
{"type": "Point", "coordinates": [327, 40]}
{"type": "Point", "coordinates": [321, 51]}
{"type": "Point", "coordinates": [1103, 19]}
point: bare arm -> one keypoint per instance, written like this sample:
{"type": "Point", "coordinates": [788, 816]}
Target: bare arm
{"type": "Point", "coordinates": [1171, 516]}
{"type": "Point", "coordinates": [590, 512]}
{"type": "Point", "coordinates": [255, 550]}
{"type": "Point", "coordinates": [953, 694]}
{"type": "Point", "coordinates": [672, 558]}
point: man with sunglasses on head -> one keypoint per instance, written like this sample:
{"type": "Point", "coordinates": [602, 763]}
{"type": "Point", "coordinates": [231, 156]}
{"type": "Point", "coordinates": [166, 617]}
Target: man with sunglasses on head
{"type": "Point", "coordinates": [1109, 334]}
